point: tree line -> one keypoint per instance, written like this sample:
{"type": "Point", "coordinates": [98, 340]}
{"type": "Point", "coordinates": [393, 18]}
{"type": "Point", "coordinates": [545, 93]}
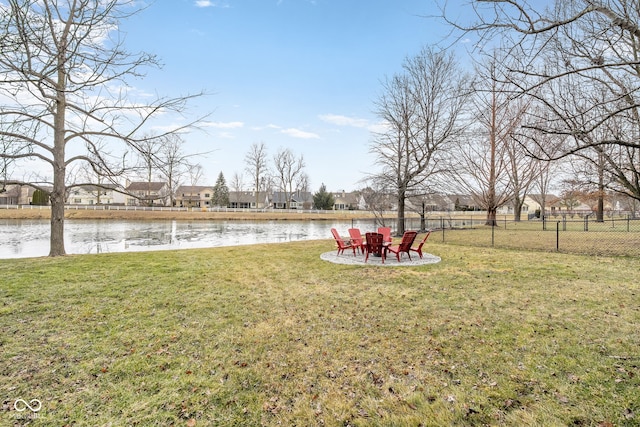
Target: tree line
{"type": "Point", "coordinates": [552, 98]}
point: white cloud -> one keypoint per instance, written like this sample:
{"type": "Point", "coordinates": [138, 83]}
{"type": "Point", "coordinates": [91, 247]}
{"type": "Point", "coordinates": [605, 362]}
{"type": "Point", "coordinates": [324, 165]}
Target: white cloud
{"type": "Point", "coordinates": [339, 120]}
{"type": "Point", "coordinates": [209, 3]}
{"type": "Point", "coordinates": [297, 133]}
{"type": "Point", "coordinates": [225, 125]}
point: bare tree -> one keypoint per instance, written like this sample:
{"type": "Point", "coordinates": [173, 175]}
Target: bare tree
{"type": "Point", "coordinates": [7, 162]}
{"type": "Point", "coordinates": [288, 170]}
{"type": "Point", "coordinates": [61, 65]}
{"type": "Point", "coordinates": [581, 61]}
{"type": "Point", "coordinates": [196, 173]}
{"type": "Point", "coordinates": [376, 199]}
{"type": "Point", "coordinates": [545, 177]}
{"type": "Point", "coordinates": [256, 166]}
{"type": "Point", "coordinates": [148, 163]}
{"type": "Point", "coordinates": [302, 182]}
{"type": "Point", "coordinates": [237, 185]}
{"type": "Point", "coordinates": [492, 166]}
{"type": "Point", "coordinates": [422, 109]}
{"type": "Point", "coordinates": [174, 163]}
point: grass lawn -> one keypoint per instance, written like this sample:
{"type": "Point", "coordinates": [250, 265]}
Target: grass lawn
{"type": "Point", "coordinates": [272, 335]}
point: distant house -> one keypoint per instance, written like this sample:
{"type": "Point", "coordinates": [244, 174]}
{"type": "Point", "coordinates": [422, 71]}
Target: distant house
{"type": "Point", "coordinates": [569, 206]}
{"type": "Point", "coordinates": [343, 201]}
{"type": "Point", "coordinates": [296, 200]}
{"type": "Point", "coordinates": [147, 194]}
{"type": "Point", "coordinates": [104, 194]}
{"type": "Point", "coordinates": [191, 196]}
{"type": "Point", "coordinates": [16, 194]}
{"type": "Point", "coordinates": [431, 203]}
{"type": "Point", "coordinates": [247, 200]}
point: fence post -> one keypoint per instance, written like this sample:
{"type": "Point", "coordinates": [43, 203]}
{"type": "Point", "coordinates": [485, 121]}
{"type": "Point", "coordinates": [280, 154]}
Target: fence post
{"type": "Point", "coordinates": [586, 223]}
{"type": "Point", "coordinates": [493, 229]}
{"type": "Point", "coordinates": [558, 236]}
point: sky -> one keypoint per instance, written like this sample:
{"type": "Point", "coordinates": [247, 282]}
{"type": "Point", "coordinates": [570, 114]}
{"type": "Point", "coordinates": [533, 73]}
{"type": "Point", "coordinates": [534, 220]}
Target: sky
{"type": "Point", "coordinates": [294, 74]}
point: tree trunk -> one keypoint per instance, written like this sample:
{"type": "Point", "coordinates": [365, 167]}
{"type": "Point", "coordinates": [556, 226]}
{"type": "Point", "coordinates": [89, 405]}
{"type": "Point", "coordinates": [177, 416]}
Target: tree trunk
{"type": "Point", "coordinates": [58, 194]}
{"type": "Point", "coordinates": [423, 217]}
{"type": "Point", "coordinates": [600, 208]}
{"type": "Point", "coordinates": [401, 206]}
{"type": "Point", "coordinates": [58, 197]}
{"type": "Point", "coordinates": [517, 208]}
{"type": "Point", "coordinates": [491, 217]}
{"type": "Point", "coordinates": [56, 240]}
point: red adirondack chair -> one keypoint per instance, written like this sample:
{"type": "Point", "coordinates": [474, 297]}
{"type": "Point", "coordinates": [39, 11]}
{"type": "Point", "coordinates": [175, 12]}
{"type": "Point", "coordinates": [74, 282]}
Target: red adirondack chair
{"type": "Point", "coordinates": [356, 239]}
{"type": "Point", "coordinates": [342, 245]}
{"type": "Point", "coordinates": [405, 245]}
{"type": "Point", "coordinates": [386, 233]}
{"type": "Point", "coordinates": [419, 248]}
{"type": "Point", "coordinates": [374, 245]}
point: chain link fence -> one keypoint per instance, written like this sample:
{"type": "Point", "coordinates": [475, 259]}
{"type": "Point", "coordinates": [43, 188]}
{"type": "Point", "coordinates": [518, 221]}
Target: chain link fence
{"type": "Point", "coordinates": [614, 236]}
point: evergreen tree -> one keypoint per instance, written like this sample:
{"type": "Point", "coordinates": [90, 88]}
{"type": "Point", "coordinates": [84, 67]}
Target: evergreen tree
{"type": "Point", "coordinates": [40, 198]}
{"type": "Point", "coordinates": [220, 192]}
{"type": "Point", "coordinates": [322, 199]}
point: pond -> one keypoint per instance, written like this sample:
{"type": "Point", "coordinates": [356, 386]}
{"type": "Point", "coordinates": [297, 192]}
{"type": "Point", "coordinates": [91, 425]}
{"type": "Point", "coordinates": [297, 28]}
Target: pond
{"type": "Point", "coordinates": [30, 238]}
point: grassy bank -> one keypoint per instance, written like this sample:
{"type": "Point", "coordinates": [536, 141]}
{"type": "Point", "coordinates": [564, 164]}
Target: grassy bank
{"type": "Point", "coordinates": [272, 335]}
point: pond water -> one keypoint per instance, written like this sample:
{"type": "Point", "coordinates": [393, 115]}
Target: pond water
{"type": "Point", "coordinates": [30, 238]}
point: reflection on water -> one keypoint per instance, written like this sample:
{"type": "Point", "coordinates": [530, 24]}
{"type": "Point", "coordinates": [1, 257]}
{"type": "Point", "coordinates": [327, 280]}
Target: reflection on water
{"type": "Point", "coordinates": [30, 238]}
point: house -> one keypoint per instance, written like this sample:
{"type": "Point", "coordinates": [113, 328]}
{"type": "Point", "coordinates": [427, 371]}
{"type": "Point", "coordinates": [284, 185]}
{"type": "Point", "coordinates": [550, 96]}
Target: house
{"type": "Point", "coordinates": [534, 202]}
{"type": "Point", "coordinates": [464, 202]}
{"type": "Point", "coordinates": [568, 206]}
{"type": "Point", "coordinates": [296, 200]}
{"type": "Point", "coordinates": [191, 196]}
{"type": "Point", "coordinates": [343, 201]}
{"type": "Point", "coordinates": [247, 200]}
{"type": "Point", "coordinates": [17, 194]}
{"type": "Point", "coordinates": [431, 203]}
{"type": "Point", "coordinates": [147, 194]}
{"type": "Point", "coordinates": [103, 194]}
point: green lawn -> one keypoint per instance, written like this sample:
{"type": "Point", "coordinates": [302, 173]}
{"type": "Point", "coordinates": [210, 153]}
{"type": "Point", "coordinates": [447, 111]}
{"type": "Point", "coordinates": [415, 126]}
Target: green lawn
{"type": "Point", "coordinates": [272, 335]}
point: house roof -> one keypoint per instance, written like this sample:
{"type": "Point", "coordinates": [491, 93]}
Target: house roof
{"type": "Point", "coordinates": [146, 186]}
{"type": "Point", "coordinates": [346, 198]}
{"type": "Point", "coordinates": [96, 187]}
{"type": "Point", "coordinates": [192, 189]}
{"type": "Point", "coordinates": [548, 198]}
{"type": "Point", "coordinates": [298, 196]}
{"type": "Point", "coordinates": [246, 196]}
{"type": "Point", "coordinates": [10, 191]}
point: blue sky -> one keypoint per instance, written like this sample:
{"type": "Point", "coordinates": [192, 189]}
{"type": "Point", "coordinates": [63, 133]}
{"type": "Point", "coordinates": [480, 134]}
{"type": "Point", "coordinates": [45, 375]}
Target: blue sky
{"type": "Point", "coordinates": [295, 74]}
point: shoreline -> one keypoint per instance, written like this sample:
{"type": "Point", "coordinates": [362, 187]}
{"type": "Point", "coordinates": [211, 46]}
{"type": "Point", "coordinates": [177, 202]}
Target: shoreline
{"type": "Point", "coordinates": [181, 215]}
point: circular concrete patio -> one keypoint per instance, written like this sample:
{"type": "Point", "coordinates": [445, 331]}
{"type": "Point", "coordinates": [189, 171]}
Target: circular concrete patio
{"type": "Point", "coordinates": [348, 258]}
